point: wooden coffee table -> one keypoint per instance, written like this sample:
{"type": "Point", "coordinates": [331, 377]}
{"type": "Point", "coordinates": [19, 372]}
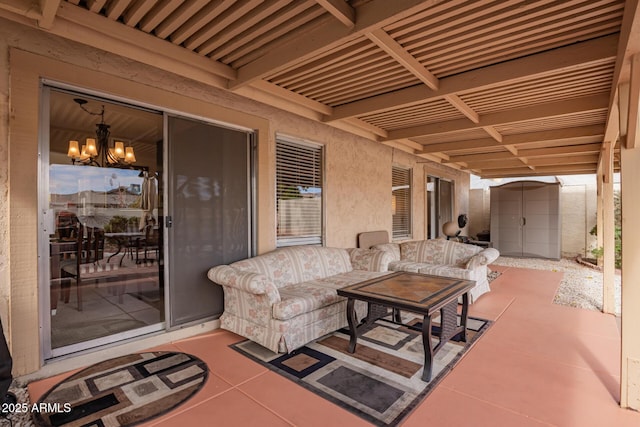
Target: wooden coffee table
{"type": "Point", "coordinates": [417, 293]}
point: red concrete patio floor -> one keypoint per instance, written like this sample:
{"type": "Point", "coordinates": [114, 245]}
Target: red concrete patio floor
{"type": "Point", "coordinates": [540, 364]}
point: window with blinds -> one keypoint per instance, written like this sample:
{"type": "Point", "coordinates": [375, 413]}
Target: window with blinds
{"type": "Point", "coordinates": [298, 193]}
{"type": "Point", "coordinates": [401, 202]}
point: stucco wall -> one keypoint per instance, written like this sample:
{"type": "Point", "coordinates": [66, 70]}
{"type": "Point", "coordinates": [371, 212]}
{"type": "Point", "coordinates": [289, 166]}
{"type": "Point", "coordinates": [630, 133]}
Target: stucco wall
{"type": "Point", "coordinates": [579, 215]}
{"type": "Point", "coordinates": [358, 171]}
{"type": "Point", "coordinates": [5, 293]}
{"type": "Point", "coordinates": [480, 212]}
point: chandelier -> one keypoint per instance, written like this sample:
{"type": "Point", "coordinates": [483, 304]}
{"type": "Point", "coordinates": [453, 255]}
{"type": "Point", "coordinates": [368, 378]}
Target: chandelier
{"type": "Point", "coordinates": [97, 151]}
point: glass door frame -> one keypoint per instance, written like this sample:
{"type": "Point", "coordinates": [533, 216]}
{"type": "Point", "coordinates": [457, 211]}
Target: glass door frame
{"type": "Point", "coordinates": [46, 224]}
{"type": "Point", "coordinates": [433, 208]}
{"type": "Point", "coordinates": [46, 221]}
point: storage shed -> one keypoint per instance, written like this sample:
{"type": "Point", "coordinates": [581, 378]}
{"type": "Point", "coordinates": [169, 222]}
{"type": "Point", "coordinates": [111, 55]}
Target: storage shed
{"type": "Point", "coordinates": [525, 219]}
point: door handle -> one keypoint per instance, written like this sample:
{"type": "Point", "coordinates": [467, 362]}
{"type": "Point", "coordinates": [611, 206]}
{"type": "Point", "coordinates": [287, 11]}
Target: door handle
{"type": "Point", "coordinates": [168, 221]}
{"type": "Point", "coordinates": [523, 221]}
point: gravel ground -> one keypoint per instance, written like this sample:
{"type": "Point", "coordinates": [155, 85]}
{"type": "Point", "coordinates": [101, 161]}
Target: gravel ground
{"type": "Point", "coordinates": [581, 286]}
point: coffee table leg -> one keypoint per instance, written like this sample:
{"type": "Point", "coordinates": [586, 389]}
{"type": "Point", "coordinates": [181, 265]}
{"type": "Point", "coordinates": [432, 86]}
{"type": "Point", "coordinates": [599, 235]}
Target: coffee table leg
{"type": "Point", "coordinates": [351, 318]}
{"type": "Point", "coordinates": [428, 349]}
{"type": "Point", "coordinates": [463, 316]}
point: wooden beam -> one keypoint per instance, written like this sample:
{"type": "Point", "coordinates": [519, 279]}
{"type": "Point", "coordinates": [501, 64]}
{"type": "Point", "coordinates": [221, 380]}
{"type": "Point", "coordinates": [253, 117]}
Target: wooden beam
{"type": "Point", "coordinates": [560, 151]}
{"type": "Point", "coordinates": [559, 135]}
{"type": "Point", "coordinates": [366, 126]}
{"type": "Point", "coordinates": [623, 109]}
{"type": "Point", "coordinates": [27, 9]}
{"type": "Point", "coordinates": [606, 154]}
{"type": "Point", "coordinates": [79, 25]}
{"type": "Point", "coordinates": [464, 108]}
{"type": "Point", "coordinates": [556, 152]}
{"type": "Point", "coordinates": [341, 10]}
{"type": "Point", "coordinates": [326, 36]}
{"type": "Point", "coordinates": [513, 162]}
{"type": "Point", "coordinates": [49, 9]}
{"type": "Point", "coordinates": [115, 8]}
{"type": "Point", "coordinates": [411, 144]}
{"type": "Point", "coordinates": [157, 15]}
{"type": "Point", "coordinates": [292, 96]}
{"type": "Point", "coordinates": [565, 160]}
{"type": "Point", "coordinates": [539, 171]}
{"type": "Point", "coordinates": [534, 112]}
{"type": "Point", "coordinates": [564, 59]}
{"type": "Point", "coordinates": [480, 157]}
{"type": "Point", "coordinates": [446, 147]}
{"type": "Point", "coordinates": [137, 11]}
{"type": "Point", "coordinates": [385, 42]}
{"type": "Point", "coordinates": [493, 133]}
{"type": "Point", "coordinates": [633, 124]}
{"type": "Point", "coordinates": [96, 6]}
{"type": "Point", "coordinates": [232, 21]}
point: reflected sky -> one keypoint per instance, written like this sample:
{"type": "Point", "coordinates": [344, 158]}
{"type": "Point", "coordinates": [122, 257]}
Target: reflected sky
{"type": "Point", "coordinates": [70, 179]}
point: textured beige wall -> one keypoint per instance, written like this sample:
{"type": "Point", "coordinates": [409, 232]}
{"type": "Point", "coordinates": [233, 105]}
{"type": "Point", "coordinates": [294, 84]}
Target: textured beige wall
{"type": "Point", "coordinates": [479, 211]}
{"type": "Point", "coordinates": [5, 294]}
{"type": "Point", "coordinates": [358, 171]}
{"type": "Point", "coordinates": [579, 215]}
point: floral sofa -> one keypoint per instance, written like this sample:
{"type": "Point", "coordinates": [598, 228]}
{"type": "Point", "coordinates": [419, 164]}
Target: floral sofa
{"type": "Point", "coordinates": [441, 257]}
{"type": "Point", "coordinates": [287, 298]}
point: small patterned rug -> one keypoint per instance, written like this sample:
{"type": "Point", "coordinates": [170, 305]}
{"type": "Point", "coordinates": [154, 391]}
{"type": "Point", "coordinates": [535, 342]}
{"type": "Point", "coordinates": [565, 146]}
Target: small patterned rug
{"type": "Point", "coordinates": [123, 391]}
{"type": "Point", "coordinates": [381, 382]}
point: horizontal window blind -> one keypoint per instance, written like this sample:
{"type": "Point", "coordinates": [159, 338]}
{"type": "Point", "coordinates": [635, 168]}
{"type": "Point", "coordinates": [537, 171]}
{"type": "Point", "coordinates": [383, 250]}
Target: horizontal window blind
{"type": "Point", "coordinates": [401, 202]}
{"type": "Point", "coordinates": [298, 193]}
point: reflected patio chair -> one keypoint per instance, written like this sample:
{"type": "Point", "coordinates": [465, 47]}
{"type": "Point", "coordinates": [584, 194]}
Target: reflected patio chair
{"type": "Point", "coordinates": [89, 248]}
{"type": "Point", "coordinates": [149, 243]}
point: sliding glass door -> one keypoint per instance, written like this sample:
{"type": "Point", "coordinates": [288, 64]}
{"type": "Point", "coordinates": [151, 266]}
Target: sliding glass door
{"type": "Point", "coordinates": [110, 225]}
{"type": "Point", "coordinates": [209, 217]}
{"type": "Point", "coordinates": [439, 205]}
{"type": "Point", "coordinates": [102, 214]}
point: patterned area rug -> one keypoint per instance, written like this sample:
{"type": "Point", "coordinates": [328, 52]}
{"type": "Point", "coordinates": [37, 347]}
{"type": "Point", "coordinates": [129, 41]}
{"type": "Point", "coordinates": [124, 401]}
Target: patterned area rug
{"type": "Point", "coordinates": [381, 382]}
{"type": "Point", "coordinates": [122, 391]}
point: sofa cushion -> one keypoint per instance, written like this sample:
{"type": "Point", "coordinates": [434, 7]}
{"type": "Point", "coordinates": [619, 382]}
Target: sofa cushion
{"type": "Point", "coordinates": [438, 251]}
{"type": "Point", "coordinates": [484, 257]}
{"type": "Point", "coordinates": [408, 266]}
{"type": "Point", "coordinates": [287, 266]}
{"type": "Point", "coordinates": [392, 248]}
{"type": "Point", "coordinates": [447, 271]}
{"type": "Point", "coordinates": [369, 259]}
{"type": "Point", "coordinates": [301, 298]}
{"type": "Point", "coordinates": [421, 251]}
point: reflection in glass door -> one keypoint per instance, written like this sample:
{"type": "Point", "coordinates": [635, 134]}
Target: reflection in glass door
{"type": "Point", "coordinates": [439, 205]}
{"type": "Point", "coordinates": [103, 222]}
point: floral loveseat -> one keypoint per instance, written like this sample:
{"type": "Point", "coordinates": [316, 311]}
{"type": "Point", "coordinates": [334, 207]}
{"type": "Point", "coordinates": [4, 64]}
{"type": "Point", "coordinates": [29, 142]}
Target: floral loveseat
{"type": "Point", "coordinates": [287, 298]}
{"type": "Point", "coordinates": [441, 257]}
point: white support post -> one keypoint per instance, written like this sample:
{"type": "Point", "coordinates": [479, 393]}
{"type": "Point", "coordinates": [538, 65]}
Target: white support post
{"type": "Point", "coordinates": [629, 178]}
{"type": "Point", "coordinates": [608, 235]}
{"type": "Point", "coordinates": [630, 352]}
{"type": "Point", "coordinates": [609, 247]}
{"type": "Point", "coordinates": [599, 211]}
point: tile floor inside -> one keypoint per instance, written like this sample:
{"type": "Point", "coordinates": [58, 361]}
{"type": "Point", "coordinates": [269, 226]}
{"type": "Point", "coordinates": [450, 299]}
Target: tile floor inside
{"type": "Point", "coordinates": [540, 364]}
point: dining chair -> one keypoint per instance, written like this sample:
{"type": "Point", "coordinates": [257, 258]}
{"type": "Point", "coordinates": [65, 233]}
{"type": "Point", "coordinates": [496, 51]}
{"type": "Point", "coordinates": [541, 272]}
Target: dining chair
{"type": "Point", "coordinates": [89, 248]}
